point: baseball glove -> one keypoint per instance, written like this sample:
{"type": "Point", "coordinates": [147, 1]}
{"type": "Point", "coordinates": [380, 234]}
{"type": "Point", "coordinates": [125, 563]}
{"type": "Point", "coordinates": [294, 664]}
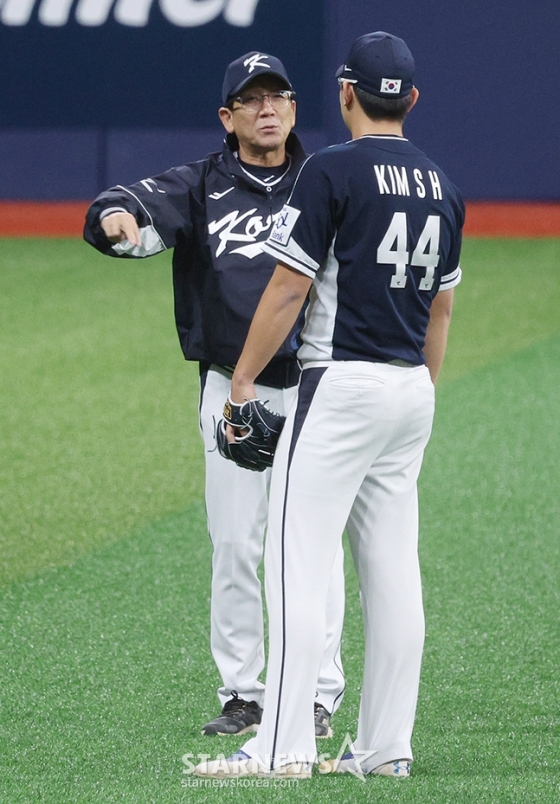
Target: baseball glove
{"type": "Point", "coordinates": [258, 429]}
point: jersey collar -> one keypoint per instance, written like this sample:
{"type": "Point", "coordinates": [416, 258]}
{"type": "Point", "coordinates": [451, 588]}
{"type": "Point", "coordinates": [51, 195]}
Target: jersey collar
{"type": "Point", "coordinates": [381, 137]}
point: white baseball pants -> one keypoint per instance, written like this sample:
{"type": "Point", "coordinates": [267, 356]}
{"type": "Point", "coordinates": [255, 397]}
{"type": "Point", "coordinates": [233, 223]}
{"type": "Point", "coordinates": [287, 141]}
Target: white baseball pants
{"type": "Point", "coordinates": [237, 511]}
{"type": "Point", "coordinates": [349, 455]}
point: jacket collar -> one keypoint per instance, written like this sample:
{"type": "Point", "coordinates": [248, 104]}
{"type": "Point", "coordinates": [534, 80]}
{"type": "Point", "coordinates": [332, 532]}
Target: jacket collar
{"type": "Point", "coordinates": [293, 147]}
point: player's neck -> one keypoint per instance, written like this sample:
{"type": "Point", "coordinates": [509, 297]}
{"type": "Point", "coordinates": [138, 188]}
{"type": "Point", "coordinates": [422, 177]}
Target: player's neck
{"type": "Point", "coordinates": [273, 158]}
{"type": "Point", "coordinates": [363, 126]}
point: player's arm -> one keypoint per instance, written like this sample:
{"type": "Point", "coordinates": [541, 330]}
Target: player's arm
{"type": "Point", "coordinates": [145, 218]}
{"type": "Point", "coordinates": [275, 316]}
{"type": "Point", "coordinates": [299, 242]}
{"type": "Point", "coordinates": [438, 328]}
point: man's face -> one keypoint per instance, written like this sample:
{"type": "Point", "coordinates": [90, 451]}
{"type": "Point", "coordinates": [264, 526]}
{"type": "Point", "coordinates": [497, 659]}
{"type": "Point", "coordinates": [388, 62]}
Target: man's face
{"type": "Point", "coordinates": [264, 130]}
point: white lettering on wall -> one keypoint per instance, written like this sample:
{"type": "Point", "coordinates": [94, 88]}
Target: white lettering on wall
{"type": "Point", "coordinates": [55, 12]}
{"type": "Point", "coordinates": [16, 12]}
{"type": "Point", "coordinates": [240, 12]}
{"type": "Point", "coordinates": [191, 13]}
{"type": "Point", "coordinates": [133, 13]}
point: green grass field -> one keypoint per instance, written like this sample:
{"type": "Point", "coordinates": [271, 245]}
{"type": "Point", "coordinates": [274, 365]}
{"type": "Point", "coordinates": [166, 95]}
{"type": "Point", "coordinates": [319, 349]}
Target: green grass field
{"type": "Point", "coordinates": [105, 669]}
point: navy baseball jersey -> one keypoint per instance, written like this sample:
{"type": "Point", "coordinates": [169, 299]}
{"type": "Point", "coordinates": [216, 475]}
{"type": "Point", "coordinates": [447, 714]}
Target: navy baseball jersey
{"type": "Point", "coordinates": [377, 225]}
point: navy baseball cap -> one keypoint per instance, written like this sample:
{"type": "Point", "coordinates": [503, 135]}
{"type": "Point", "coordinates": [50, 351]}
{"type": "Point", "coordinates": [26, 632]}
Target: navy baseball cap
{"type": "Point", "coordinates": [381, 64]}
{"type": "Point", "coordinates": [247, 67]}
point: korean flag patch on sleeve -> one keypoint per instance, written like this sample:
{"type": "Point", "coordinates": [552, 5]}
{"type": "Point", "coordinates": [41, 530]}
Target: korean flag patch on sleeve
{"type": "Point", "coordinates": [285, 222]}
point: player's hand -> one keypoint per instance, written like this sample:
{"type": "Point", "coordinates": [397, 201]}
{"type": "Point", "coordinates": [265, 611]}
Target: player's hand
{"type": "Point", "coordinates": [231, 433]}
{"type": "Point", "coordinates": [240, 391]}
{"type": "Point", "coordinates": [119, 226]}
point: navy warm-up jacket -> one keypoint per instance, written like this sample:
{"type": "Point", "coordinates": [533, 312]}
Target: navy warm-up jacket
{"type": "Point", "coordinates": [215, 217]}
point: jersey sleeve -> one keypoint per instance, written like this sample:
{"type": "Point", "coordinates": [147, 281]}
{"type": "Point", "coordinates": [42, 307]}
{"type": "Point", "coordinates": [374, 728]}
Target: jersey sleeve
{"type": "Point", "coordinates": [161, 206]}
{"type": "Point", "coordinates": [304, 229]}
{"type": "Point", "coordinates": [451, 273]}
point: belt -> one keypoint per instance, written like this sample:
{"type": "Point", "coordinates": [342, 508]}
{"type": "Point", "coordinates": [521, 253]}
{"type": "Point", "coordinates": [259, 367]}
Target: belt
{"type": "Point", "coordinates": [280, 374]}
{"type": "Point", "coordinates": [326, 363]}
{"type": "Point", "coordinates": [402, 363]}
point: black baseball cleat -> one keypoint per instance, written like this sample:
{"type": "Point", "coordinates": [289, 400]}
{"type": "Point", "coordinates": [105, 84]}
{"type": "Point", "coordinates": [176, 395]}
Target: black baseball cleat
{"type": "Point", "coordinates": [238, 717]}
{"type": "Point", "coordinates": [322, 722]}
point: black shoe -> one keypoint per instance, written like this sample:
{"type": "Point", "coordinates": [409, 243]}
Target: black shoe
{"type": "Point", "coordinates": [238, 717]}
{"type": "Point", "coordinates": [322, 722]}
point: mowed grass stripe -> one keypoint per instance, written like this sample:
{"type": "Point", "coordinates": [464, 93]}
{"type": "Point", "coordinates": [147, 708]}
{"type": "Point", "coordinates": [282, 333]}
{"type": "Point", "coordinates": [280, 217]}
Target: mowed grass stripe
{"type": "Point", "coordinates": [491, 562]}
{"type": "Point", "coordinates": [107, 675]}
{"type": "Point", "coordinates": [508, 299]}
{"type": "Point", "coordinates": [98, 421]}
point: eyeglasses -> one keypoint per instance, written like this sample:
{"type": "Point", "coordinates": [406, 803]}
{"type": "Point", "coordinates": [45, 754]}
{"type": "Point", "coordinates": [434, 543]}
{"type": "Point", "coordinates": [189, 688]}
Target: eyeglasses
{"type": "Point", "coordinates": [254, 103]}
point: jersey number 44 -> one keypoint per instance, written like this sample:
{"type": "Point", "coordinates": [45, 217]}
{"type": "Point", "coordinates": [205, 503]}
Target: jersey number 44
{"type": "Point", "coordinates": [393, 250]}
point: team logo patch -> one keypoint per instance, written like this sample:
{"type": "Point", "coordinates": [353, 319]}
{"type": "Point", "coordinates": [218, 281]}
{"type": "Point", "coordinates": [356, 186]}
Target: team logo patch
{"type": "Point", "coordinates": [391, 85]}
{"type": "Point", "coordinates": [253, 61]}
{"type": "Point", "coordinates": [285, 222]}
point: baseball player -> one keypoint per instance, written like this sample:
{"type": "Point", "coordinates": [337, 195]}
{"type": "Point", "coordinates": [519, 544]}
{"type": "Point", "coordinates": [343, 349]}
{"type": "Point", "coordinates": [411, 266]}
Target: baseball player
{"type": "Point", "coordinates": [216, 215]}
{"type": "Point", "coordinates": [371, 235]}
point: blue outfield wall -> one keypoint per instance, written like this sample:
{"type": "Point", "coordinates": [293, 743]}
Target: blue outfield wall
{"type": "Point", "coordinates": [96, 92]}
{"type": "Point", "coordinates": [76, 164]}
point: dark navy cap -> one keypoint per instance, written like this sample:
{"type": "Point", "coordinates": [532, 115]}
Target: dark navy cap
{"type": "Point", "coordinates": [244, 69]}
{"type": "Point", "coordinates": [381, 64]}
